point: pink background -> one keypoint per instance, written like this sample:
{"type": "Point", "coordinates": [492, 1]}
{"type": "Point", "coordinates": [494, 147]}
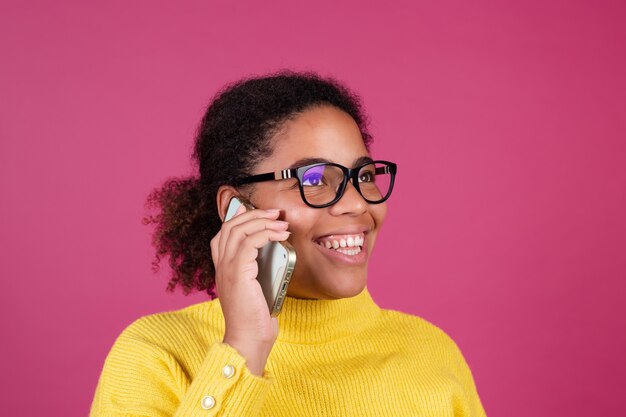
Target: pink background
{"type": "Point", "coordinates": [506, 229]}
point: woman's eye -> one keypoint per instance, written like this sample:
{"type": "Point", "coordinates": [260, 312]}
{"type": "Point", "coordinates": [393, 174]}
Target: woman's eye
{"type": "Point", "coordinates": [366, 177]}
{"type": "Point", "coordinates": [312, 181]}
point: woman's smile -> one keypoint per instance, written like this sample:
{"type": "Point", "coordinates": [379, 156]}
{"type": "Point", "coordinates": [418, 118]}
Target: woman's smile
{"type": "Point", "coordinates": [347, 249]}
{"type": "Point", "coordinates": [346, 245]}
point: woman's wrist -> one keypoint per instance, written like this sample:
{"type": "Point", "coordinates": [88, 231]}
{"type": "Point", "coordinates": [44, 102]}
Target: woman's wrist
{"type": "Point", "coordinates": [256, 354]}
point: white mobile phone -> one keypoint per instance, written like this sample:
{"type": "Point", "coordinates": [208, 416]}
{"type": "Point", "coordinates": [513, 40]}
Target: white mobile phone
{"type": "Point", "coordinates": [276, 262]}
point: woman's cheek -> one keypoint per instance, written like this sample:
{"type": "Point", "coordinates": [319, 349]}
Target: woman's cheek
{"type": "Point", "coordinates": [302, 221]}
{"type": "Point", "coordinates": [378, 213]}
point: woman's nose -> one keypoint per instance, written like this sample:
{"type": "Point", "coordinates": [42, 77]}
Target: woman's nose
{"type": "Point", "coordinates": [351, 202]}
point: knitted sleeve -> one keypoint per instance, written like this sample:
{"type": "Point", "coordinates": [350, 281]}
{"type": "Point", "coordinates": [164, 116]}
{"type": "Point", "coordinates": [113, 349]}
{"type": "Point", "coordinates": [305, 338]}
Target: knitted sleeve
{"type": "Point", "coordinates": [472, 406]}
{"type": "Point", "coordinates": [141, 379]}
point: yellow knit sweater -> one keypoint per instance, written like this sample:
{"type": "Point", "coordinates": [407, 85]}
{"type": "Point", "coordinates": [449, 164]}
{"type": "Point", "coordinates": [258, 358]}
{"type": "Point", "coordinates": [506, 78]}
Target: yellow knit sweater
{"type": "Point", "coordinates": [344, 357]}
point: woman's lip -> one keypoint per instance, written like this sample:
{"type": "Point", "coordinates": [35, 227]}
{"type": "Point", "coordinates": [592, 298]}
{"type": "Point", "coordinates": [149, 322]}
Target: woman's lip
{"type": "Point", "coordinates": [350, 230]}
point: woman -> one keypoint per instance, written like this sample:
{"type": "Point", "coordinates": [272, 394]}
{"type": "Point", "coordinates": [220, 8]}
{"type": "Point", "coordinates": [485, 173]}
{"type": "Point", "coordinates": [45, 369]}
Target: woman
{"type": "Point", "coordinates": [332, 351]}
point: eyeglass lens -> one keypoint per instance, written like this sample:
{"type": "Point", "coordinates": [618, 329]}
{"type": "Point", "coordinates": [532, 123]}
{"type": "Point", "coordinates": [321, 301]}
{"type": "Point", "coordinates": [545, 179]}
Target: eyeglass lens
{"type": "Point", "coordinates": [321, 183]}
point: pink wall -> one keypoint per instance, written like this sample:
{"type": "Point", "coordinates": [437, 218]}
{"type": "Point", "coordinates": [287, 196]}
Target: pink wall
{"type": "Point", "coordinates": [507, 227]}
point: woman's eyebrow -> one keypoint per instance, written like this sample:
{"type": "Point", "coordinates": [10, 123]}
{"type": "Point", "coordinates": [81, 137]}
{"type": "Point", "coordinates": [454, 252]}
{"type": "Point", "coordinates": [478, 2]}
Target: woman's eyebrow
{"type": "Point", "coordinates": [362, 161]}
{"type": "Point", "coordinates": [308, 161]}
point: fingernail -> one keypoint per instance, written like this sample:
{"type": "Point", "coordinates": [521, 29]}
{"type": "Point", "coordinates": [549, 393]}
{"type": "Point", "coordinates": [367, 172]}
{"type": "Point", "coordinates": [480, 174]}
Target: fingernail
{"type": "Point", "coordinates": [273, 211]}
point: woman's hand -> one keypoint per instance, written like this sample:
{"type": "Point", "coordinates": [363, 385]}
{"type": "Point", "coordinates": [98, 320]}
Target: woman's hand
{"type": "Point", "coordinates": [250, 328]}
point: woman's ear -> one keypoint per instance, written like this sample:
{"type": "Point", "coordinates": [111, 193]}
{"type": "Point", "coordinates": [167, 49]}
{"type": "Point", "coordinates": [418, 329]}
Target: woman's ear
{"type": "Point", "coordinates": [224, 194]}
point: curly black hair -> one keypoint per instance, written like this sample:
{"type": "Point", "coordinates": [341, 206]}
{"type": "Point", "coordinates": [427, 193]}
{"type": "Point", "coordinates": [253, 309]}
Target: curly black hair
{"type": "Point", "coordinates": [234, 135]}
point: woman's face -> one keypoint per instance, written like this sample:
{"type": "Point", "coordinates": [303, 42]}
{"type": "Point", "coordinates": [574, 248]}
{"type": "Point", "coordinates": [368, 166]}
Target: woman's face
{"type": "Point", "coordinates": [328, 133]}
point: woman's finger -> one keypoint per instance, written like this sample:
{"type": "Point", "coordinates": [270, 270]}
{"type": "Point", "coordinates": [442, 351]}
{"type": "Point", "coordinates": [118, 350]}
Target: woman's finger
{"type": "Point", "coordinates": [247, 251]}
{"type": "Point", "coordinates": [240, 232]}
{"type": "Point", "coordinates": [243, 218]}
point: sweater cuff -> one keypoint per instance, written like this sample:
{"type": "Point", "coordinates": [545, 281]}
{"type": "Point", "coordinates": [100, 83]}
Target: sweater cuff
{"type": "Point", "coordinates": [224, 385]}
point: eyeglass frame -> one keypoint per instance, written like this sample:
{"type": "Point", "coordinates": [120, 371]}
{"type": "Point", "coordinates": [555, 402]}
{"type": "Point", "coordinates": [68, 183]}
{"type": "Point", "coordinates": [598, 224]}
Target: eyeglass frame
{"type": "Point", "coordinates": [348, 174]}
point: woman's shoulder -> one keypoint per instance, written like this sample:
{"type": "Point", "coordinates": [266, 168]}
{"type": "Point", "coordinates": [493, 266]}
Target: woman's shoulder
{"type": "Point", "coordinates": [412, 322]}
{"type": "Point", "coordinates": [418, 332]}
{"type": "Point", "coordinates": [198, 322]}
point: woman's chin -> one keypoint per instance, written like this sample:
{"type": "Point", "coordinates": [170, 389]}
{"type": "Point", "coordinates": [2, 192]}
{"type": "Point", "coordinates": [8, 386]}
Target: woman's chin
{"type": "Point", "coordinates": [344, 288]}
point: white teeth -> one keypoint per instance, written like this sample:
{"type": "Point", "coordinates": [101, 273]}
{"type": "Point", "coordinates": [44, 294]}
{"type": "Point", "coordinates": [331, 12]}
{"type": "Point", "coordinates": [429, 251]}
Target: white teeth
{"type": "Point", "coordinates": [350, 251]}
{"type": "Point", "coordinates": [349, 242]}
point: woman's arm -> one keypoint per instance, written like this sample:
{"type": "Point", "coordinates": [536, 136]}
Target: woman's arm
{"type": "Point", "coordinates": [141, 379]}
{"type": "Point", "coordinates": [472, 407]}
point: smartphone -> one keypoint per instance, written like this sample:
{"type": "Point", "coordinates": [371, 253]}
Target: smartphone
{"type": "Point", "coordinates": [276, 262]}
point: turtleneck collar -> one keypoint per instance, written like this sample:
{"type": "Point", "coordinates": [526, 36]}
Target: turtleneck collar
{"type": "Point", "coordinates": [309, 322]}
{"type": "Point", "coordinates": [306, 321]}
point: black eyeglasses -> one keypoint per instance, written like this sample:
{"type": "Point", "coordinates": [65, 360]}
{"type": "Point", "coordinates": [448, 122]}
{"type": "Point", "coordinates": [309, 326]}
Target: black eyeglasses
{"type": "Point", "coordinates": [323, 184]}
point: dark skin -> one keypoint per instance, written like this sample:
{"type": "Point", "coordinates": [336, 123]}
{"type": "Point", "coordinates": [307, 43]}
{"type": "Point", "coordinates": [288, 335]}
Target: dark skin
{"type": "Point", "coordinates": [322, 132]}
